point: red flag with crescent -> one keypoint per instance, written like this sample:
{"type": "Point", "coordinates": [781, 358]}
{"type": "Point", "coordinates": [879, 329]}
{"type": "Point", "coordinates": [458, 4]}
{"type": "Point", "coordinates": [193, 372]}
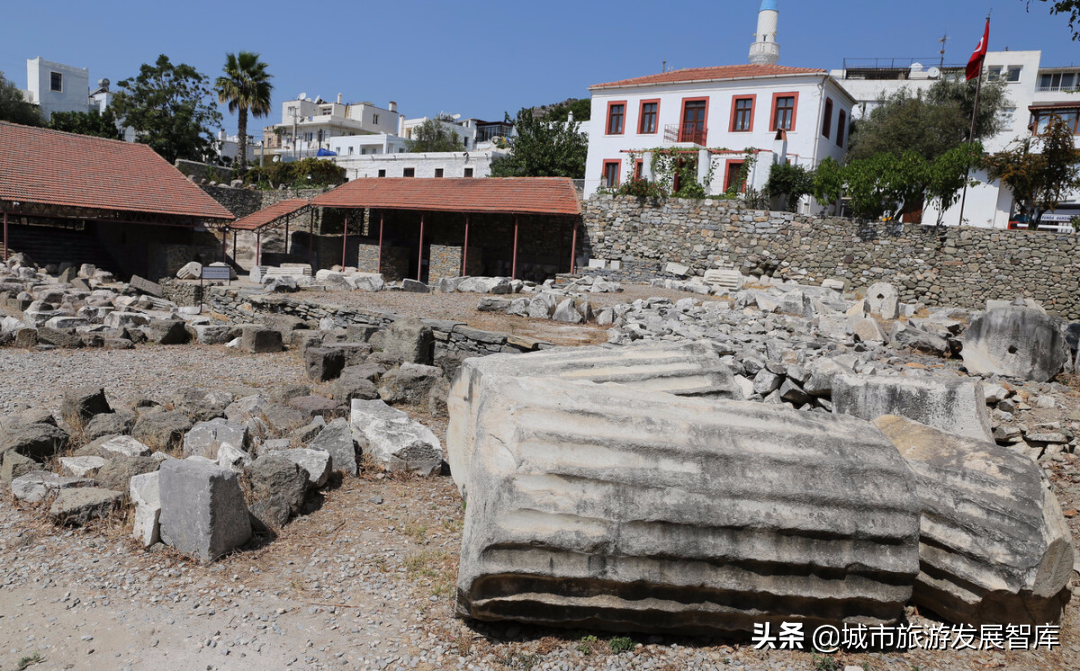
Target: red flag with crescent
{"type": "Point", "coordinates": [974, 66]}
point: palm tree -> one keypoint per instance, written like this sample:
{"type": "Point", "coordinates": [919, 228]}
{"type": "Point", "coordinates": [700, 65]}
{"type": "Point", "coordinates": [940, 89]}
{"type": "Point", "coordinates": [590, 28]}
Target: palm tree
{"type": "Point", "coordinates": [246, 87]}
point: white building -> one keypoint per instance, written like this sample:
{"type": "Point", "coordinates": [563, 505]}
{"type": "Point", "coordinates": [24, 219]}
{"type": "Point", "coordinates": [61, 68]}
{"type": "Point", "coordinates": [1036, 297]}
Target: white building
{"type": "Point", "coordinates": [1035, 93]}
{"type": "Point", "coordinates": [408, 164]}
{"type": "Point", "coordinates": [55, 87]}
{"type": "Point", "coordinates": [309, 125]}
{"type": "Point", "coordinates": [464, 129]}
{"type": "Point", "coordinates": [797, 115]}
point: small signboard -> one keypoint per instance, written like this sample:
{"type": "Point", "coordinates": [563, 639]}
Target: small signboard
{"type": "Point", "coordinates": [216, 273]}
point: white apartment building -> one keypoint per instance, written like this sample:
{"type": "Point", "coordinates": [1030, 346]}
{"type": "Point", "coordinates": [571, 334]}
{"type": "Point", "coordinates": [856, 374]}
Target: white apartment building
{"type": "Point", "coordinates": [408, 164]}
{"type": "Point", "coordinates": [780, 113]}
{"type": "Point", "coordinates": [309, 125]}
{"type": "Point", "coordinates": [55, 87]}
{"type": "Point", "coordinates": [464, 129]}
{"type": "Point", "coordinates": [1036, 93]}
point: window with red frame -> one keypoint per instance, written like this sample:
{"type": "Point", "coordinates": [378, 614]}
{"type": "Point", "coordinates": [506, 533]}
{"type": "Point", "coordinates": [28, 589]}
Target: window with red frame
{"type": "Point", "coordinates": [616, 117]}
{"type": "Point", "coordinates": [610, 177]}
{"type": "Point", "coordinates": [785, 113]}
{"type": "Point", "coordinates": [826, 124]}
{"type": "Point", "coordinates": [744, 114]}
{"type": "Point", "coordinates": [648, 117]}
{"type": "Point", "coordinates": [638, 166]}
{"type": "Point", "coordinates": [731, 180]}
{"type": "Point", "coordinates": [841, 127]}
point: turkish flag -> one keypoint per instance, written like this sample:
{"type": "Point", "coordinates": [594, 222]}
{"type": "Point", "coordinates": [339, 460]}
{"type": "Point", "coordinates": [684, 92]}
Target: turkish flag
{"type": "Point", "coordinates": [974, 66]}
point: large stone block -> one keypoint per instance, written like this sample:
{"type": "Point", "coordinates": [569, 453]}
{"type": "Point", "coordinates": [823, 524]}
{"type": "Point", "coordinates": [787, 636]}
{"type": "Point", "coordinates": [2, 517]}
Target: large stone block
{"type": "Point", "coordinates": [691, 369]}
{"type": "Point", "coordinates": [994, 546]}
{"type": "Point", "coordinates": [955, 405]}
{"type": "Point", "coordinates": [394, 441]}
{"type": "Point", "coordinates": [37, 441]}
{"type": "Point", "coordinates": [1016, 341]}
{"type": "Point", "coordinates": [323, 363]}
{"type": "Point", "coordinates": [79, 405]}
{"type": "Point", "coordinates": [161, 430]}
{"type": "Point", "coordinates": [146, 496]}
{"type": "Point", "coordinates": [605, 506]}
{"type": "Point", "coordinates": [257, 339]}
{"type": "Point", "coordinates": [337, 441]}
{"type": "Point", "coordinates": [409, 340]}
{"type": "Point", "coordinates": [206, 438]}
{"type": "Point", "coordinates": [203, 513]}
{"type": "Point", "coordinates": [409, 384]}
{"type": "Point", "coordinates": [78, 506]}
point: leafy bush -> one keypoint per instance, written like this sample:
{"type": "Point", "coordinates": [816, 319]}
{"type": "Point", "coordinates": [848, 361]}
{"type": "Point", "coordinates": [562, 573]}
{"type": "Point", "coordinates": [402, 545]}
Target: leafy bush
{"type": "Point", "coordinates": [793, 181]}
{"type": "Point", "coordinates": [642, 188]}
{"type": "Point", "coordinates": [305, 173]}
{"type": "Point", "coordinates": [621, 644]}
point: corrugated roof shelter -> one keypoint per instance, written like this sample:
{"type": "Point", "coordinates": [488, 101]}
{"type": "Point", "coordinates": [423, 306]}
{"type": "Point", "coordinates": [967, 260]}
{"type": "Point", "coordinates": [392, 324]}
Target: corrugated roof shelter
{"type": "Point", "coordinates": [68, 172]}
{"type": "Point", "coordinates": [279, 213]}
{"type": "Point", "coordinates": [54, 175]}
{"type": "Point", "coordinates": [515, 196]}
{"type": "Point", "coordinates": [505, 195]}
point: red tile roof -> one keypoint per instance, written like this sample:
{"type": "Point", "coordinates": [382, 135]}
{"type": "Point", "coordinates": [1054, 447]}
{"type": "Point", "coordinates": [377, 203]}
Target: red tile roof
{"type": "Point", "coordinates": [271, 214]}
{"type": "Point", "coordinates": [48, 167]}
{"type": "Point", "coordinates": [521, 195]}
{"type": "Point", "coordinates": [689, 75]}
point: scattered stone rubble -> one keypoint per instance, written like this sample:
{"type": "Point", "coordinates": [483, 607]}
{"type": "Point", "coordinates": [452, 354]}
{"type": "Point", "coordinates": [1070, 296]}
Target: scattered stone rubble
{"type": "Point", "coordinates": [181, 463]}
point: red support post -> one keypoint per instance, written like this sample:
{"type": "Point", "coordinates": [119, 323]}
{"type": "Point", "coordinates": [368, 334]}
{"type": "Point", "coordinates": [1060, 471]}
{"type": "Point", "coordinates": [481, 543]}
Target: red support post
{"type": "Point", "coordinates": [380, 239]}
{"type": "Point", "coordinates": [258, 247]}
{"type": "Point", "coordinates": [5, 238]}
{"type": "Point", "coordinates": [420, 259]}
{"type": "Point", "coordinates": [311, 242]}
{"type": "Point", "coordinates": [573, 249]}
{"type": "Point", "coordinates": [465, 248]}
{"type": "Point", "coordinates": [513, 264]}
{"type": "Point", "coordinates": [344, 240]}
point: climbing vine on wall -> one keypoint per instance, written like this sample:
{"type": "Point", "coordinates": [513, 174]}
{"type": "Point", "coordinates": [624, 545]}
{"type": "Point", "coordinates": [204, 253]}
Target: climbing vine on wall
{"type": "Point", "coordinates": [673, 165]}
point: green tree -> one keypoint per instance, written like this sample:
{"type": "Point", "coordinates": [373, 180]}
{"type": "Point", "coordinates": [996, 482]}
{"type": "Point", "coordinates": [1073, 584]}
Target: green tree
{"type": "Point", "coordinates": [13, 106]}
{"type": "Point", "coordinates": [790, 181]}
{"type": "Point", "coordinates": [1040, 171]}
{"type": "Point", "coordinates": [171, 108]}
{"type": "Point", "coordinates": [828, 184]}
{"type": "Point", "coordinates": [98, 124]}
{"type": "Point", "coordinates": [246, 87]}
{"type": "Point", "coordinates": [947, 176]}
{"type": "Point", "coordinates": [1070, 8]}
{"type": "Point", "coordinates": [543, 148]}
{"type": "Point", "coordinates": [929, 122]}
{"type": "Point", "coordinates": [433, 135]}
{"type": "Point", "coordinates": [582, 109]}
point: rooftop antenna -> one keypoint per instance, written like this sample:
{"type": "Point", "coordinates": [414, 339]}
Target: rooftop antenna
{"type": "Point", "coordinates": [943, 41]}
{"type": "Point", "coordinates": [663, 66]}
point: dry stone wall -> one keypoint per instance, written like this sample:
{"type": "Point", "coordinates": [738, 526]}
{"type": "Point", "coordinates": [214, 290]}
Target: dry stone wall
{"type": "Point", "coordinates": [935, 266]}
{"type": "Point", "coordinates": [243, 306]}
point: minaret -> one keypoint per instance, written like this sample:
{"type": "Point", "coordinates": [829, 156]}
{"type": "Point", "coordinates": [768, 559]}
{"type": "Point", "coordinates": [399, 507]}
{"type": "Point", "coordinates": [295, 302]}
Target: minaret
{"type": "Point", "coordinates": [765, 50]}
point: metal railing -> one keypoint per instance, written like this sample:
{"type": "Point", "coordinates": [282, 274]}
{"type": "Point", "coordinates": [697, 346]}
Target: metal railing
{"type": "Point", "coordinates": [695, 133]}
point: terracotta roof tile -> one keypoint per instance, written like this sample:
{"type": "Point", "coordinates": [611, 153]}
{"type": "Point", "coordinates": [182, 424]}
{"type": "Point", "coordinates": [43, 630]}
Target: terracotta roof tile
{"type": "Point", "coordinates": [711, 74]}
{"type": "Point", "coordinates": [271, 214]}
{"type": "Point", "coordinates": [49, 167]}
{"type": "Point", "coordinates": [521, 195]}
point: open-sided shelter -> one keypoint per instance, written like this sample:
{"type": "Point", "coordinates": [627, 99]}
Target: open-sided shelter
{"type": "Point", "coordinates": [68, 197]}
{"type": "Point", "coordinates": [427, 229]}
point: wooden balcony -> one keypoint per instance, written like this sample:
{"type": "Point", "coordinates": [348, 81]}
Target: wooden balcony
{"type": "Point", "coordinates": [694, 133]}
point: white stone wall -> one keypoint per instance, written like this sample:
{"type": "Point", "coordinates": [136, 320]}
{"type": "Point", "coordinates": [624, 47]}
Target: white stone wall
{"type": "Point", "coordinates": [453, 164]}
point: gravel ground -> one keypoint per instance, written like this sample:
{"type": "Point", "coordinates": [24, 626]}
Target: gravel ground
{"type": "Point", "coordinates": [31, 378]}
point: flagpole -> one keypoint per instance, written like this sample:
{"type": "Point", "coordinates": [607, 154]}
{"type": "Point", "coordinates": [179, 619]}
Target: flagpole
{"type": "Point", "coordinates": [971, 134]}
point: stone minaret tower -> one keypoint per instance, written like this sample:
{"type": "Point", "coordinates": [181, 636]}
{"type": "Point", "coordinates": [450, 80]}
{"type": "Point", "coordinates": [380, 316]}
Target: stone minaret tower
{"type": "Point", "coordinates": [765, 50]}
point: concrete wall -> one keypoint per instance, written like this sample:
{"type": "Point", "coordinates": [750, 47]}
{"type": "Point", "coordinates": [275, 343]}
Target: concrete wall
{"type": "Point", "coordinates": [937, 266]}
{"type": "Point", "coordinates": [74, 93]}
{"type": "Point", "coordinates": [453, 164]}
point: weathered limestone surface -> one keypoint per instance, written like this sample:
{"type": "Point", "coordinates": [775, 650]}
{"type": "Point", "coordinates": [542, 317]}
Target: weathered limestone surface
{"type": "Point", "coordinates": [603, 506]}
{"type": "Point", "coordinates": [202, 508]}
{"type": "Point", "coordinates": [957, 406]}
{"type": "Point", "coordinates": [994, 546]}
{"type": "Point", "coordinates": [685, 369]}
{"type": "Point", "coordinates": [1017, 341]}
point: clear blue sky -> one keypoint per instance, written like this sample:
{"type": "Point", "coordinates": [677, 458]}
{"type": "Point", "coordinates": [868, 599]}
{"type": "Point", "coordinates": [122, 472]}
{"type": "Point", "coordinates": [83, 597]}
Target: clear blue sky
{"type": "Point", "coordinates": [480, 58]}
